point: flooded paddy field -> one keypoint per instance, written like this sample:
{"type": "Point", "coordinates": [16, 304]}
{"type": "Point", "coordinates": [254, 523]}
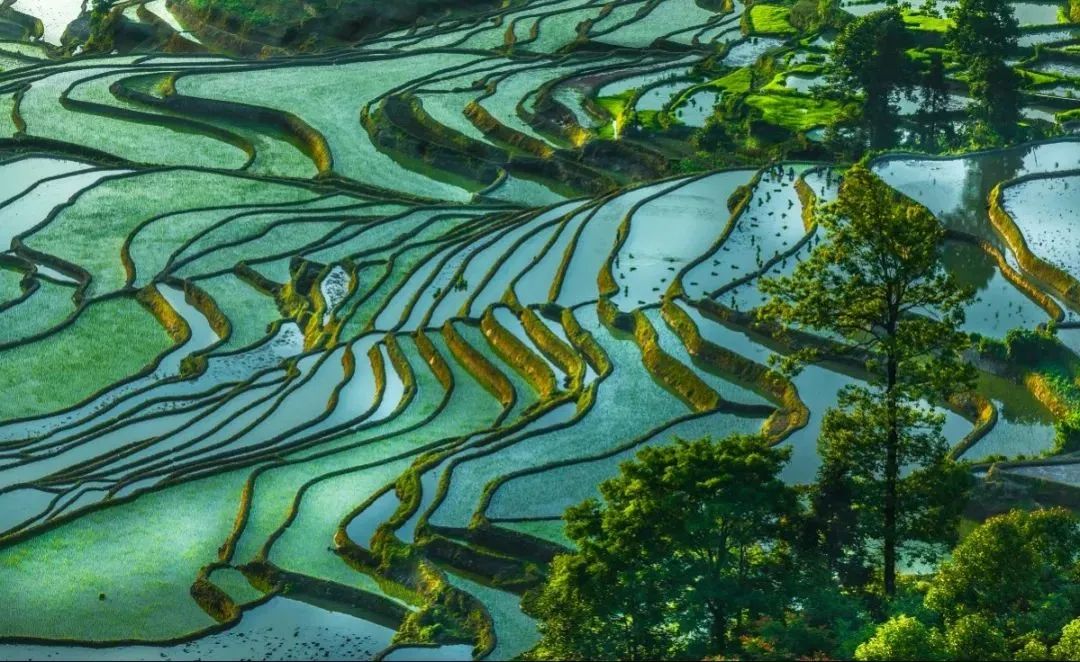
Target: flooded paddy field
{"type": "Point", "coordinates": [263, 321]}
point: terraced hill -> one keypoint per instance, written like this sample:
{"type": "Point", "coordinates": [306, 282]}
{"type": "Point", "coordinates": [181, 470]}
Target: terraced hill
{"type": "Point", "coordinates": [290, 25]}
{"type": "Point", "coordinates": [317, 349]}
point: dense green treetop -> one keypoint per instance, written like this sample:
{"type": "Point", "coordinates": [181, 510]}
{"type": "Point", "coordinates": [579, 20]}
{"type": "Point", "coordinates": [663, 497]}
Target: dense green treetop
{"type": "Point", "coordinates": [900, 638]}
{"type": "Point", "coordinates": [983, 29]}
{"type": "Point", "coordinates": [982, 34]}
{"type": "Point", "coordinates": [1019, 570]}
{"type": "Point", "coordinates": [1011, 591]}
{"type": "Point", "coordinates": [870, 58]}
{"type": "Point", "coordinates": [690, 541]}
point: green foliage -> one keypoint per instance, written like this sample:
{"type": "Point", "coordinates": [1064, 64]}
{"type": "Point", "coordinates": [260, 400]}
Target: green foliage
{"type": "Point", "coordinates": [102, 27]}
{"type": "Point", "coordinates": [1033, 650]}
{"type": "Point", "coordinates": [870, 58]}
{"type": "Point", "coordinates": [984, 31]}
{"type": "Point", "coordinates": [900, 638]}
{"type": "Point", "coordinates": [1020, 572]}
{"type": "Point", "coordinates": [812, 15]}
{"type": "Point", "coordinates": [996, 88]}
{"type": "Point", "coordinates": [693, 533]}
{"type": "Point", "coordinates": [1008, 592]}
{"type": "Point", "coordinates": [804, 15]}
{"type": "Point", "coordinates": [878, 263]}
{"type": "Point", "coordinates": [973, 637]}
{"type": "Point", "coordinates": [1029, 347]}
{"type": "Point", "coordinates": [1068, 647]}
{"type": "Point", "coordinates": [854, 444]}
{"type": "Point", "coordinates": [877, 266]}
{"type": "Point", "coordinates": [1040, 352]}
{"type": "Point", "coordinates": [715, 136]}
{"type": "Point", "coordinates": [1067, 434]}
{"type": "Point", "coordinates": [737, 82]}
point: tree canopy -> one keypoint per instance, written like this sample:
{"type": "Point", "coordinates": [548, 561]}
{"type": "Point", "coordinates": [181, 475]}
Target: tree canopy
{"type": "Point", "coordinates": [870, 57]}
{"type": "Point", "coordinates": [1019, 571]}
{"type": "Point", "coordinates": [983, 32]}
{"type": "Point", "coordinates": [690, 543]}
{"type": "Point", "coordinates": [1010, 591]}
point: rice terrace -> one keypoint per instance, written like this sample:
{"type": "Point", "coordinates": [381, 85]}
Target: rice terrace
{"type": "Point", "coordinates": [539, 329]}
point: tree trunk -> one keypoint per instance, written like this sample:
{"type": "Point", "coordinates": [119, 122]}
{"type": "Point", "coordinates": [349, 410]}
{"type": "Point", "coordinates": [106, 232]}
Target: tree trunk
{"type": "Point", "coordinates": [892, 470]}
{"type": "Point", "coordinates": [718, 629]}
{"type": "Point", "coordinates": [879, 118]}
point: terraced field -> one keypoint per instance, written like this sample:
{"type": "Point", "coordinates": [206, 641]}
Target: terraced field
{"type": "Point", "coordinates": [297, 351]}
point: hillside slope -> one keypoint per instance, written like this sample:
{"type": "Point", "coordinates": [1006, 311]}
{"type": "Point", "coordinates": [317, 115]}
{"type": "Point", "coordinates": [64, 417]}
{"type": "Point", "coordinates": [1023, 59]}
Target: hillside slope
{"type": "Point", "coordinates": [314, 23]}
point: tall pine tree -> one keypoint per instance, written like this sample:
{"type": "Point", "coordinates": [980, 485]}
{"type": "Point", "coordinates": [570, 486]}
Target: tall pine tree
{"type": "Point", "coordinates": [983, 32]}
{"type": "Point", "coordinates": [876, 282]}
{"type": "Point", "coordinates": [870, 58]}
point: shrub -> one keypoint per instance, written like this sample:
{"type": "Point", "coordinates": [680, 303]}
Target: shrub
{"type": "Point", "coordinates": [900, 638]}
{"type": "Point", "coordinates": [1032, 650]}
{"type": "Point", "coordinates": [973, 637]}
{"type": "Point", "coordinates": [1068, 648]}
{"type": "Point", "coordinates": [1026, 346]}
{"type": "Point", "coordinates": [804, 15]}
{"type": "Point", "coordinates": [1067, 434]}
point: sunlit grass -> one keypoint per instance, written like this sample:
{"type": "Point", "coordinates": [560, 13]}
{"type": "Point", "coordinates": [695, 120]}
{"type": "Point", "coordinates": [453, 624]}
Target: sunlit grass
{"type": "Point", "coordinates": [927, 23]}
{"type": "Point", "coordinates": [797, 113]}
{"type": "Point", "coordinates": [770, 19]}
